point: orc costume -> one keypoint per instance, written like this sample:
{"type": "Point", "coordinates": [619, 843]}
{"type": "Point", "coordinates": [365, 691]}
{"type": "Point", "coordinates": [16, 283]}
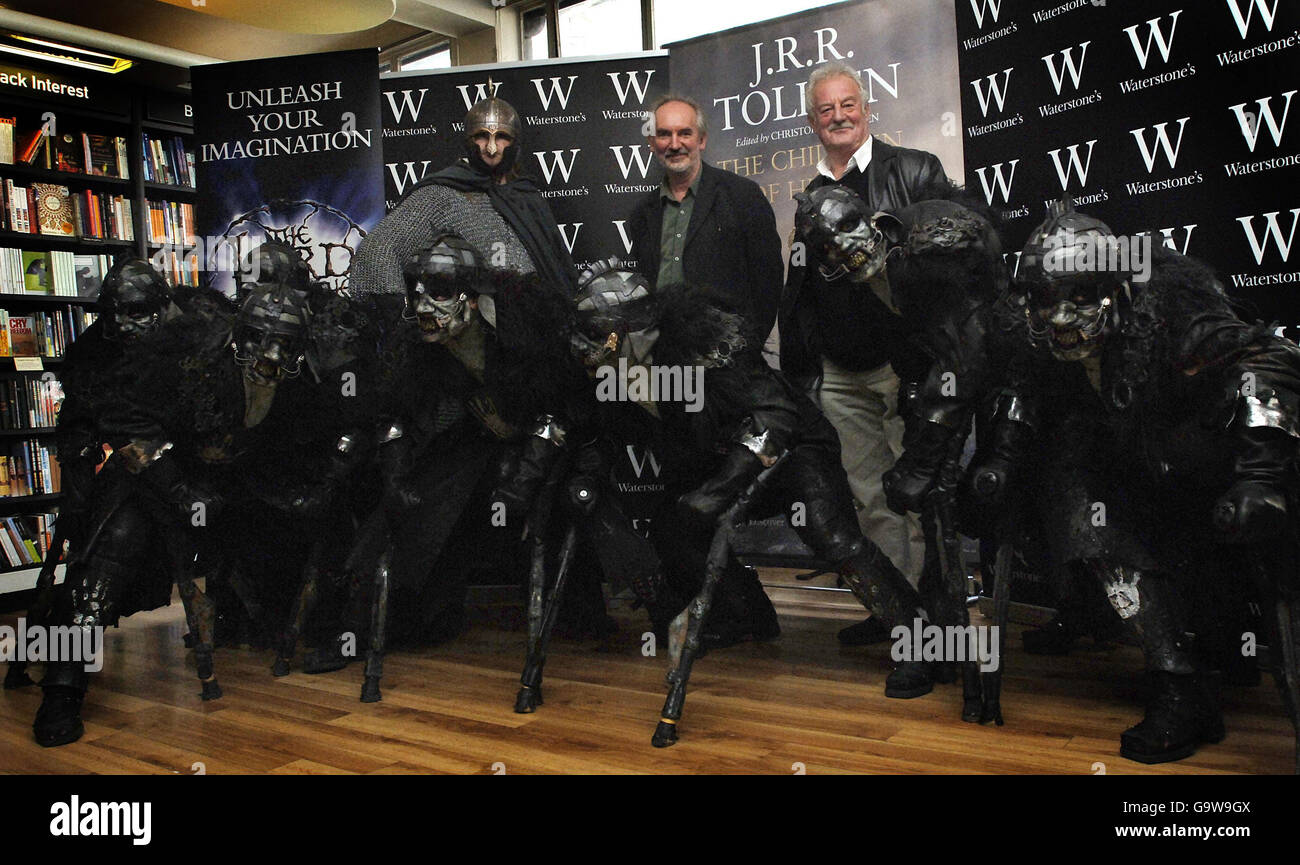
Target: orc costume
{"type": "Point", "coordinates": [463, 396]}
{"type": "Point", "coordinates": [140, 502]}
{"type": "Point", "coordinates": [1150, 429]}
{"type": "Point", "coordinates": [747, 418]}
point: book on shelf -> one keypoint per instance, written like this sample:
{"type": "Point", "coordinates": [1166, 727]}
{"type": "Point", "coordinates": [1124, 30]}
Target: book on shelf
{"type": "Point", "coordinates": [171, 222]}
{"type": "Point", "coordinates": [59, 272]}
{"type": "Point", "coordinates": [167, 160]}
{"type": "Point", "coordinates": [88, 274]}
{"type": "Point", "coordinates": [178, 267]}
{"type": "Point", "coordinates": [33, 145]}
{"type": "Point", "coordinates": [67, 153]}
{"type": "Point", "coordinates": [33, 469]}
{"type": "Point", "coordinates": [29, 533]}
{"type": "Point", "coordinates": [16, 212]}
{"type": "Point", "coordinates": [7, 125]}
{"type": "Point", "coordinates": [105, 155]}
{"type": "Point", "coordinates": [22, 339]}
{"type": "Point", "coordinates": [54, 210]}
{"type": "Point", "coordinates": [42, 333]}
{"type": "Point", "coordinates": [36, 272]}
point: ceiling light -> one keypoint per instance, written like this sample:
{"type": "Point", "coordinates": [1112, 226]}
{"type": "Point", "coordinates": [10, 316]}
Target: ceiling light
{"type": "Point", "coordinates": [57, 52]}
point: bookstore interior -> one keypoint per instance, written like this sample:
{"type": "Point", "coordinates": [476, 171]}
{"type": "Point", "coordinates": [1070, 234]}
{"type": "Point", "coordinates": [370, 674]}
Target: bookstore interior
{"type": "Point", "coordinates": [859, 364]}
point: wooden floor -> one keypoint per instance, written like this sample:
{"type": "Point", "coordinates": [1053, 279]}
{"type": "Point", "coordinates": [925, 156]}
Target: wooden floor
{"type": "Point", "coordinates": [799, 703]}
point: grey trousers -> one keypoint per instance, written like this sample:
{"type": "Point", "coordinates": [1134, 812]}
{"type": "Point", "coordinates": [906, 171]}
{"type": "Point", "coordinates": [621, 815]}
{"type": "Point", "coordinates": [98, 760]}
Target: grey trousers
{"type": "Point", "coordinates": [863, 408]}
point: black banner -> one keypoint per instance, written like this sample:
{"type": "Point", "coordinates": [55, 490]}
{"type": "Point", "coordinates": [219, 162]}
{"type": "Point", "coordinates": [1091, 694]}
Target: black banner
{"type": "Point", "coordinates": [583, 136]}
{"type": "Point", "coordinates": [288, 149]}
{"type": "Point", "coordinates": [1164, 118]}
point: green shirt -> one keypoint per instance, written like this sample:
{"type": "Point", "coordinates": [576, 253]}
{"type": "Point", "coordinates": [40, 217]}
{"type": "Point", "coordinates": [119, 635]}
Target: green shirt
{"type": "Point", "coordinates": [672, 241]}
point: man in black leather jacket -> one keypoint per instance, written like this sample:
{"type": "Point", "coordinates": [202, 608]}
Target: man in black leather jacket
{"type": "Point", "coordinates": [843, 342]}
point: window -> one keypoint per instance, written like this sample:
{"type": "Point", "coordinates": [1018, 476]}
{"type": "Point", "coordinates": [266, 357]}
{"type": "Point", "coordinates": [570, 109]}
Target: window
{"type": "Point", "coordinates": [588, 27]}
{"type": "Point", "coordinates": [437, 57]}
{"type": "Point", "coordinates": [676, 20]}
{"type": "Point", "coordinates": [533, 33]}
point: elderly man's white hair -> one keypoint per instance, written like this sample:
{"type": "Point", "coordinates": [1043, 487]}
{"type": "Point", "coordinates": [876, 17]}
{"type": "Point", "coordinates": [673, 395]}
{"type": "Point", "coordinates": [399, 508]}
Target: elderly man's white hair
{"type": "Point", "coordinates": [832, 69]}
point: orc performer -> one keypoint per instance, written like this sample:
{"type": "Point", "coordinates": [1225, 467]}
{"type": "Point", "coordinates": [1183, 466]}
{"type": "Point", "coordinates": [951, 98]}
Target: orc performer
{"type": "Point", "coordinates": [1182, 421]}
{"type": "Point", "coordinates": [747, 417]}
{"type": "Point", "coordinates": [472, 378]}
{"type": "Point", "coordinates": [134, 536]}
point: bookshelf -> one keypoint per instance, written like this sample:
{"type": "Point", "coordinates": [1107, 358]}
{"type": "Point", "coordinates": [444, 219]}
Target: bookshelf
{"type": "Point", "coordinates": [128, 151]}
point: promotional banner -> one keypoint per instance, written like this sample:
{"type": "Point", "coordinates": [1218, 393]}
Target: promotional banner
{"type": "Point", "coordinates": [583, 136]}
{"type": "Point", "coordinates": [1165, 118]}
{"type": "Point", "coordinates": [287, 149]}
{"type": "Point", "coordinates": [751, 82]}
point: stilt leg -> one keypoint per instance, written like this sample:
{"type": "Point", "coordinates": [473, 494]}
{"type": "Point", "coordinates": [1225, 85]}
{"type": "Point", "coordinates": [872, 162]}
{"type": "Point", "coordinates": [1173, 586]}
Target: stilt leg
{"type": "Point", "coordinates": [684, 639]}
{"type": "Point", "coordinates": [992, 681]}
{"type": "Point", "coordinates": [302, 607]}
{"type": "Point", "coordinates": [201, 615]}
{"type": "Point", "coordinates": [378, 634]}
{"type": "Point", "coordinates": [530, 690]}
{"type": "Point", "coordinates": [1288, 680]}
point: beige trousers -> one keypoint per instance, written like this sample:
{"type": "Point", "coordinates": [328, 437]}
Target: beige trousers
{"type": "Point", "coordinates": [863, 408]}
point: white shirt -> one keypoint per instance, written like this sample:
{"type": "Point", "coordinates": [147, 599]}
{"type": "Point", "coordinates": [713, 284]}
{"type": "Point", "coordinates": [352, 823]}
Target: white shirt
{"type": "Point", "coordinates": [861, 157]}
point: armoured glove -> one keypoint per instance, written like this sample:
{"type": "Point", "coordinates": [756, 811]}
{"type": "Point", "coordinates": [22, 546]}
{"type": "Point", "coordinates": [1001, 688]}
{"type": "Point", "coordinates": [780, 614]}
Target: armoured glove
{"type": "Point", "coordinates": [162, 474]}
{"type": "Point", "coordinates": [917, 471]}
{"type": "Point", "coordinates": [707, 502]}
{"type": "Point", "coordinates": [526, 477]}
{"type": "Point", "coordinates": [1255, 507]}
{"type": "Point", "coordinates": [991, 474]}
{"type": "Point", "coordinates": [311, 500]}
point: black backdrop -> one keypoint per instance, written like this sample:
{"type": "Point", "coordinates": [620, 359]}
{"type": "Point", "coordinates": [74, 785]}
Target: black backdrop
{"type": "Point", "coordinates": [583, 136]}
{"type": "Point", "coordinates": [1163, 116]}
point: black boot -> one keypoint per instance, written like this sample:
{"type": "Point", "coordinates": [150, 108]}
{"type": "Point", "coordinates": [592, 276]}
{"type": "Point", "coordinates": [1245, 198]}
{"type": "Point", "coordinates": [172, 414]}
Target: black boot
{"type": "Point", "coordinates": [328, 657]}
{"type": "Point", "coordinates": [58, 720]}
{"type": "Point", "coordinates": [909, 679]}
{"type": "Point", "coordinates": [1182, 712]}
{"type": "Point", "coordinates": [892, 601]}
{"type": "Point", "coordinates": [867, 632]}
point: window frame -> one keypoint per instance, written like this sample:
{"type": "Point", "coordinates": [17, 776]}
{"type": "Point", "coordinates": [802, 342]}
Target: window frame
{"type": "Point", "coordinates": [425, 44]}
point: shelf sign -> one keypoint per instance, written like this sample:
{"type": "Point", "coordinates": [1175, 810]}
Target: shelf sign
{"type": "Point", "coordinates": [168, 108]}
{"type": "Point", "coordinates": [28, 364]}
{"type": "Point", "coordinates": [35, 84]}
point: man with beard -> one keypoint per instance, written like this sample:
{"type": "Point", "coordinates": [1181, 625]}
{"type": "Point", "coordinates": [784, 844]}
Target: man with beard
{"type": "Point", "coordinates": [705, 226]}
{"type": "Point", "coordinates": [131, 531]}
